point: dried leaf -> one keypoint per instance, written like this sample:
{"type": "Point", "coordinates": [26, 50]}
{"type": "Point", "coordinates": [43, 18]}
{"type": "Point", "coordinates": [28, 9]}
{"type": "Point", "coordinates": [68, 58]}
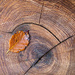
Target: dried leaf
{"type": "Point", "coordinates": [18, 41]}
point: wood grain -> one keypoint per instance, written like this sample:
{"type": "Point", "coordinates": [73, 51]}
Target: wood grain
{"type": "Point", "coordinates": [51, 25]}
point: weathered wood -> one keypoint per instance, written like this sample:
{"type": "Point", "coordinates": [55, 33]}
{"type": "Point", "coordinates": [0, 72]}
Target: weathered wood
{"type": "Point", "coordinates": [57, 19]}
{"type": "Point", "coordinates": [17, 12]}
{"type": "Point", "coordinates": [51, 25]}
{"type": "Point", "coordinates": [60, 63]}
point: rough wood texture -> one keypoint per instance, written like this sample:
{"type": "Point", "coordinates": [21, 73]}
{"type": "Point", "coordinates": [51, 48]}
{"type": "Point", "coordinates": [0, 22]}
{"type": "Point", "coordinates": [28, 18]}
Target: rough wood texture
{"type": "Point", "coordinates": [51, 24]}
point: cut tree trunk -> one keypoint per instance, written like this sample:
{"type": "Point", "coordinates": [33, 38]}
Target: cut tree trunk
{"type": "Point", "coordinates": [51, 25]}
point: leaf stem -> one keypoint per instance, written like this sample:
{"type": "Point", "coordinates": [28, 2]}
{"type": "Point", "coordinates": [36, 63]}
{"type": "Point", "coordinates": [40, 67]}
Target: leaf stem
{"type": "Point", "coordinates": [7, 51]}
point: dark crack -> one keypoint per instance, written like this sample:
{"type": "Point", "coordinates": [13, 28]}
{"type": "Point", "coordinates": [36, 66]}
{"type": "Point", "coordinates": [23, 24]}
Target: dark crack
{"type": "Point", "coordinates": [46, 54]}
{"type": "Point", "coordinates": [41, 12]}
{"type": "Point", "coordinates": [37, 25]}
{"type": "Point", "coordinates": [34, 24]}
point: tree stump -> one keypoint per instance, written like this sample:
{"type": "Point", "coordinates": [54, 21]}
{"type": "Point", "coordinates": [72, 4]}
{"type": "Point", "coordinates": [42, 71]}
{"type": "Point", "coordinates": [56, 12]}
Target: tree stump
{"type": "Point", "coordinates": [51, 25]}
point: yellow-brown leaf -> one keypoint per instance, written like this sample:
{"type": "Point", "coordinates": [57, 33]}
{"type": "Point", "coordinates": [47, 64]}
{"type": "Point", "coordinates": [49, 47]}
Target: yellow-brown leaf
{"type": "Point", "coordinates": [18, 41]}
